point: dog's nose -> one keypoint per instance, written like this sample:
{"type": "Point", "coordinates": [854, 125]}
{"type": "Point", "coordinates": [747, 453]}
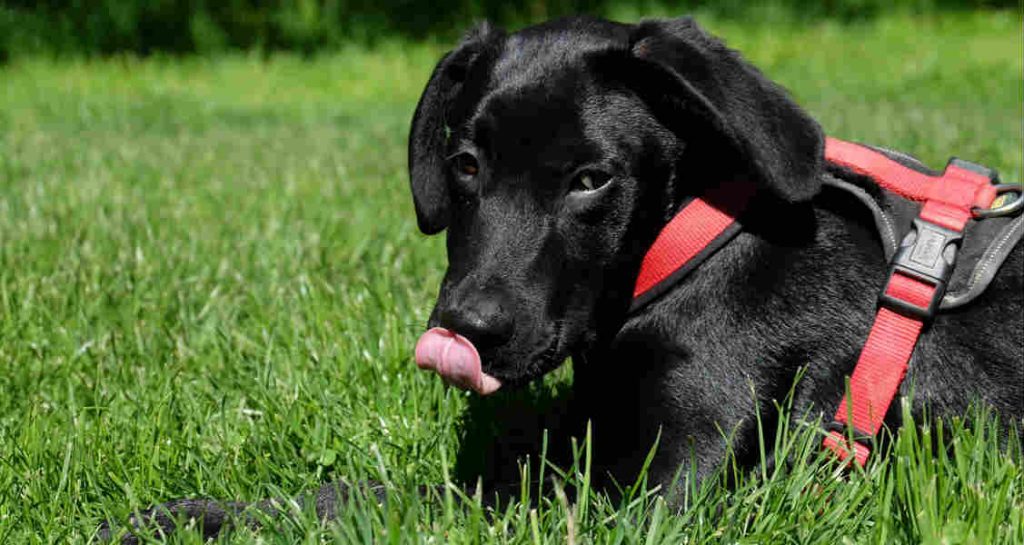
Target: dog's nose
{"type": "Point", "coordinates": [482, 318]}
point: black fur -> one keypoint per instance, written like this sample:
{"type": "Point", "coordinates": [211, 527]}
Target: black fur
{"type": "Point", "coordinates": [540, 271]}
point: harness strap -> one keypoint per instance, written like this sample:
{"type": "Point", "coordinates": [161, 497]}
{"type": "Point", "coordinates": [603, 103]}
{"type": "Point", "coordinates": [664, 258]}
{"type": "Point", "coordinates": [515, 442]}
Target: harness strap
{"type": "Point", "coordinates": [918, 274]}
{"type": "Point", "coordinates": [948, 199]}
{"type": "Point", "coordinates": [917, 282]}
{"type": "Point", "coordinates": [699, 229]}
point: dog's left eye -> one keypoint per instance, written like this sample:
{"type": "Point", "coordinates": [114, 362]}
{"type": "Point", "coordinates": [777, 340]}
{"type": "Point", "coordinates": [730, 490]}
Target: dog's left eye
{"type": "Point", "coordinates": [590, 180]}
{"type": "Point", "coordinates": [465, 165]}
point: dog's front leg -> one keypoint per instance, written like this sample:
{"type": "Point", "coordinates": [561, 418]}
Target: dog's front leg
{"type": "Point", "coordinates": [211, 517]}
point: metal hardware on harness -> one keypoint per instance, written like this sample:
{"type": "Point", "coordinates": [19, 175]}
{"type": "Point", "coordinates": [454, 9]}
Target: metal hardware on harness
{"type": "Point", "coordinates": [928, 254]}
{"type": "Point", "coordinates": [1011, 208]}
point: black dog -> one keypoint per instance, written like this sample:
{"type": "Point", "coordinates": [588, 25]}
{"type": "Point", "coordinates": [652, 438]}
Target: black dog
{"type": "Point", "coordinates": [554, 156]}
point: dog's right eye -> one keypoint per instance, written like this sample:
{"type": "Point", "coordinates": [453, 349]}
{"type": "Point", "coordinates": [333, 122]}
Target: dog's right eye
{"type": "Point", "coordinates": [465, 166]}
{"type": "Point", "coordinates": [590, 180]}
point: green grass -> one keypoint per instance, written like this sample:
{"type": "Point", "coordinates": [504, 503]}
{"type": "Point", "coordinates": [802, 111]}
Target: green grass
{"type": "Point", "coordinates": [211, 282]}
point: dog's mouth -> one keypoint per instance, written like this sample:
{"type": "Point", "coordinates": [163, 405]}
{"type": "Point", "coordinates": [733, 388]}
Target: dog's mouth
{"type": "Point", "coordinates": [458, 362]}
{"type": "Point", "coordinates": [456, 359]}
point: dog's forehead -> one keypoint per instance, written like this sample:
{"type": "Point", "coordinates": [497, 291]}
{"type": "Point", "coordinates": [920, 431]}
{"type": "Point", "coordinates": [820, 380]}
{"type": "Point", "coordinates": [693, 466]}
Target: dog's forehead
{"type": "Point", "coordinates": [561, 121]}
{"type": "Point", "coordinates": [544, 107]}
{"type": "Point", "coordinates": [538, 52]}
{"type": "Point", "coordinates": [533, 109]}
{"type": "Point", "coordinates": [534, 125]}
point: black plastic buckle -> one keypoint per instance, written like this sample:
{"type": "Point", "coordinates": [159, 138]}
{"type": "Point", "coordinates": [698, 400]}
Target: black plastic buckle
{"type": "Point", "coordinates": [928, 254]}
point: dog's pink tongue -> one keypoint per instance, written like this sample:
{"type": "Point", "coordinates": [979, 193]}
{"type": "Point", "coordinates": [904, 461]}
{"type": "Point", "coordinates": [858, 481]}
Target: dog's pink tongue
{"type": "Point", "coordinates": [454, 358]}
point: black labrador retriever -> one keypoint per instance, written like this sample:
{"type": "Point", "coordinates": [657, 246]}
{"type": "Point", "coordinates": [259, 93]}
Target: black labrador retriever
{"type": "Point", "coordinates": [553, 157]}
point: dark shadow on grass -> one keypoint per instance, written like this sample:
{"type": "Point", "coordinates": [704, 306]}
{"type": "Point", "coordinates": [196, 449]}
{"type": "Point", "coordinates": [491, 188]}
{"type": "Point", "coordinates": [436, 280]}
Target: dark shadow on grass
{"type": "Point", "coordinates": [503, 431]}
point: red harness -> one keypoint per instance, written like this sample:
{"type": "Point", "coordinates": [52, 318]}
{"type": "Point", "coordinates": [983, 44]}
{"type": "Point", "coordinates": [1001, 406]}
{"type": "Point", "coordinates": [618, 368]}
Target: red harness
{"type": "Point", "coordinates": [916, 284]}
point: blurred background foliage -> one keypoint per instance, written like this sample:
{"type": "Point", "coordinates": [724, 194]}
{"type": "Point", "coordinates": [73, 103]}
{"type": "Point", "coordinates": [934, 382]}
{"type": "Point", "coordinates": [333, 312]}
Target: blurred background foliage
{"type": "Point", "coordinates": [103, 27]}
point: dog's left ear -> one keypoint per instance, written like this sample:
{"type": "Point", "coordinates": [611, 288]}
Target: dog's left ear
{"type": "Point", "coordinates": [774, 138]}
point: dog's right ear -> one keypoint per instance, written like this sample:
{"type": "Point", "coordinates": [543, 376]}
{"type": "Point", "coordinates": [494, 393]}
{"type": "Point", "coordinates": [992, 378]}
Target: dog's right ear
{"type": "Point", "coordinates": [689, 75]}
{"type": "Point", "coordinates": [435, 116]}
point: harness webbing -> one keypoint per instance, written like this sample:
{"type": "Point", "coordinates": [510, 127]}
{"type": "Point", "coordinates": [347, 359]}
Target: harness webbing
{"type": "Point", "coordinates": [917, 281]}
{"type": "Point", "coordinates": [948, 199]}
{"type": "Point", "coordinates": [916, 284]}
{"type": "Point", "coordinates": [702, 226]}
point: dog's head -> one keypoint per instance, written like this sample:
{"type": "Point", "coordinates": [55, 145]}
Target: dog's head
{"type": "Point", "coordinates": [554, 155]}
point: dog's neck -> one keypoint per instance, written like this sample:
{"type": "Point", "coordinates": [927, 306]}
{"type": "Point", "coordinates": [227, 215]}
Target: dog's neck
{"type": "Point", "coordinates": [780, 243]}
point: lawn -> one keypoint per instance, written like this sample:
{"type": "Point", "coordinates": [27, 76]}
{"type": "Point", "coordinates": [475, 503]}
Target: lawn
{"type": "Point", "coordinates": [211, 283]}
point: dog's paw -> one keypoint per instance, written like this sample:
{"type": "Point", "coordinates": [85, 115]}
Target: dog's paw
{"type": "Point", "coordinates": [210, 517]}
{"type": "Point", "coordinates": [329, 498]}
{"type": "Point", "coordinates": [207, 516]}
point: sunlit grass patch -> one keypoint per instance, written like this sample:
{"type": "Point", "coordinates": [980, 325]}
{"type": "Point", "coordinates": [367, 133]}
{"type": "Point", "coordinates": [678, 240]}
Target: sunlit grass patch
{"type": "Point", "coordinates": [211, 282]}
